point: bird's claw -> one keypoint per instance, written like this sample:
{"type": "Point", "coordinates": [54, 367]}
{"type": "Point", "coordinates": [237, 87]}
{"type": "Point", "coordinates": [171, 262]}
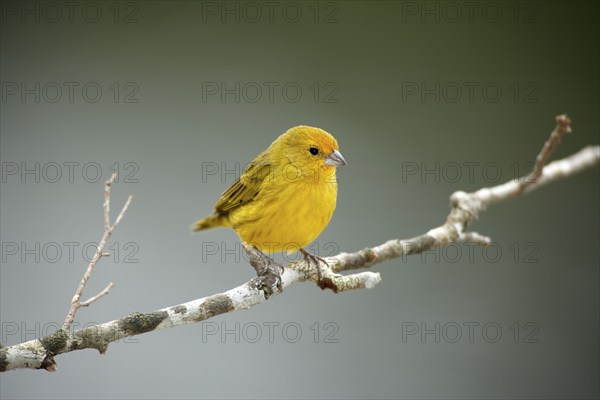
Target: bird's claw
{"type": "Point", "coordinates": [267, 270]}
{"type": "Point", "coordinates": [316, 260]}
{"type": "Point", "coordinates": [269, 280]}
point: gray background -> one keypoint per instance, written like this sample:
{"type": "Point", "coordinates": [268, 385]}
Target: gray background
{"type": "Point", "coordinates": [542, 55]}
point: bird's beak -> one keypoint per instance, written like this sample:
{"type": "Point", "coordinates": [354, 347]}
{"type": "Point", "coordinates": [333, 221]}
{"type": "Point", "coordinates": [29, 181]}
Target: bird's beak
{"type": "Point", "coordinates": [336, 159]}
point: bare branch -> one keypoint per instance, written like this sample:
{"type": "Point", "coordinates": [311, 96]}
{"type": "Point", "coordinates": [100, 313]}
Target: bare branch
{"type": "Point", "coordinates": [122, 213]}
{"type": "Point", "coordinates": [92, 299]}
{"type": "Point", "coordinates": [39, 353]}
{"type": "Point", "coordinates": [563, 125]}
{"type": "Point", "coordinates": [76, 304]}
{"type": "Point", "coordinates": [106, 205]}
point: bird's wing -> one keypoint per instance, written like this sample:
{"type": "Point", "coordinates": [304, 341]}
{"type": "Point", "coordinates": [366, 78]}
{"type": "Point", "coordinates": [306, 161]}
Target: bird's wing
{"type": "Point", "coordinates": [245, 188]}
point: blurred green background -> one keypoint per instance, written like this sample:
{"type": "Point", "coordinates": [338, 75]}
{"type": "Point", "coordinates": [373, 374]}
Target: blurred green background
{"type": "Point", "coordinates": [425, 98]}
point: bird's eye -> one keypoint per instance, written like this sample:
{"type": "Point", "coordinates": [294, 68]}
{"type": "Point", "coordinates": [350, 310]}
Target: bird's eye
{"type": "Point", "coordinates": [314, 151]}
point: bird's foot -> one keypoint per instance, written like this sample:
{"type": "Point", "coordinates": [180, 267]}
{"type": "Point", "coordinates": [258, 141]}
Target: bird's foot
{"type": "Point", "coordinates": [316, 260]}
{"type": "Point", "coordinates": [267, 270]}
{"type": "Point", "coordinates": [269, 280]}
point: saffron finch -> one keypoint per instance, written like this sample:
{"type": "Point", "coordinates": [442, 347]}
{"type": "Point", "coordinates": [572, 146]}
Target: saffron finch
{"type": "Point", "coordinates": [286, 196]}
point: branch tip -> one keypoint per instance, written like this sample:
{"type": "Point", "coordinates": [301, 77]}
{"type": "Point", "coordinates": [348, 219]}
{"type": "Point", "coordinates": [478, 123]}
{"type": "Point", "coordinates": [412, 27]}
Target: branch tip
{"type": "Point", "coordinates": [564, 122]}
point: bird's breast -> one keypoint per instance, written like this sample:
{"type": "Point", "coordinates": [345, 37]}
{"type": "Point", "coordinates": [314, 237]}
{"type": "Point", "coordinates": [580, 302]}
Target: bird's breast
{"type": "Point", "coordinates": [287, 217]}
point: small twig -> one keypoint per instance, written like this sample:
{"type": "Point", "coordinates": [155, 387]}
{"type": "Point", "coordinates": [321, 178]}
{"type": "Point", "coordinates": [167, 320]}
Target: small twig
{"type": "Point", "coordinates": [76, 303]}
{"type": "Point", "coordinates": [122, 213]}
{"type": "Point", "coordinates": [563, 126]}
{"type": "Point", "coordinates": [474, 237]}
{"type": "Point", "coordinates": [106, 205]}
{"type": "Point", "coordinates": [92, 299]}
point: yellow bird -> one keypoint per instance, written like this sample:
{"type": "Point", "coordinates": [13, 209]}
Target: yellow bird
{"type": "Point", "coordinates": [285, 196]}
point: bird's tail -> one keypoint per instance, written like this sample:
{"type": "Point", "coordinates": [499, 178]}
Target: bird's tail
{"type": "Point", "coordinates": [211, 221]}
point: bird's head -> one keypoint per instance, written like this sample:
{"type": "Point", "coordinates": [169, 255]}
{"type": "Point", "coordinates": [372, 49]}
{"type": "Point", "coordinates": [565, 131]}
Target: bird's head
{"type": "Point", "coordinates": [312, 151]}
